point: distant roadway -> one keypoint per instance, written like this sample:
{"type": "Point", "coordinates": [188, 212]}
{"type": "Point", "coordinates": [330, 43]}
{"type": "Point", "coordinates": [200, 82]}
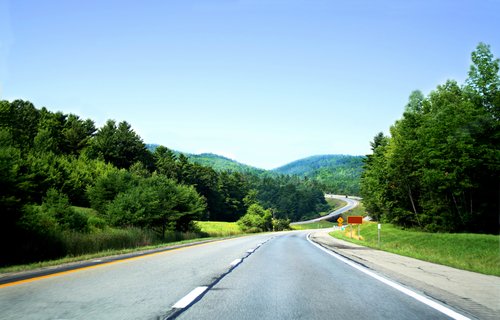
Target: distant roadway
{"type": "Point", "coordinates": [350, 204]}
{"type": "Point", "coordinates": [265, 276]}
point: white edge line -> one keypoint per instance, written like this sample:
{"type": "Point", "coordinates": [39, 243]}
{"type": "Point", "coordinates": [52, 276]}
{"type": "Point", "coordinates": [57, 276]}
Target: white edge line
{"type": "Point", "coordinates": [190, 297]}
{"type": "Point", "coordinates": [414, 295]}
{"type": "Point", "coordinates": [235, 262]}
{"type": "Point", "coordinates": [251, 250]}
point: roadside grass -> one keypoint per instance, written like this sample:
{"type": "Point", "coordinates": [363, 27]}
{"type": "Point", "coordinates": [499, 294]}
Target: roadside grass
{"type": "Point", "coordinates": [473, 252]}
{"type": "Point", "coordinates": [334, 205]}
{"type": "Point", "coordinates": [359, 210]}
{"type": "Point", "coordinates": [110, 242]}
{"type": "Point", "coordinates": [76, 243]}
{"type": "Point", "coordinates": [219, 228]}
{"type": "Point", "coordinates": [315, 225]}
{"type": "Point", "coordinates": [86, 211]}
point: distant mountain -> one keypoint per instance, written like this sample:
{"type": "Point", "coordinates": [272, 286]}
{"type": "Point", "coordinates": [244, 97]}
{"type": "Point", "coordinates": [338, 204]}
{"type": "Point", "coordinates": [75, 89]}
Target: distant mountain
{"type": "Point", "coordinates": [337, 173]}
{"type": "Point", "coordinates": [217, 162]}
{"type": "Point", "coordinates": [306, 166]}
{"type": "Point", "coordinates": [220, 163]}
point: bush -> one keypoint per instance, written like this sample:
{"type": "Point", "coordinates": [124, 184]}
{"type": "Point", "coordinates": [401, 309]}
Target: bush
{"type": "Point", "coordinates": [96, 223]}
{"type": "Point", "coordinates": [157, 203]}
{"type": "Point", "coordinates": [281, 224]}
{"type": "Point", "coordinates": [257, 219]}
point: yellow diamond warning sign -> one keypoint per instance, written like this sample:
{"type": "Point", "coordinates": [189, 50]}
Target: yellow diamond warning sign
{"type": "Point", "coordinates": [340, 220]}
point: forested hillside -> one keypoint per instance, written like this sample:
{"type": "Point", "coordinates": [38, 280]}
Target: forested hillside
{"type": "Point", "coordinates": [335, 173]}
{"type": "Point", "coordinates": [217, 162]}
{"type": "Point", "coordinates": [220, 163]}
{"type": "Point", "coordinates": [338, 174]}
{"type": "Point", "coordinates": [67, 187]}
{"type": "Point", "coordinates": [439, 169]}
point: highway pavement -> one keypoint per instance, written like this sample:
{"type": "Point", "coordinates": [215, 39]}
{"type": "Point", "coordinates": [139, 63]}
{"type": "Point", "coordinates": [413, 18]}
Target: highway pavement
{"type": "Point", "coordinates": [350, 204]}
{"type": "Point", "coordinates": [266, 276]}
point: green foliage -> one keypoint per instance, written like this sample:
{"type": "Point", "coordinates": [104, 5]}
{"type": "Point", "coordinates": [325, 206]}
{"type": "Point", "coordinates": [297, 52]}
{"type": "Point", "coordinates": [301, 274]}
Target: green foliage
{"type": "Point", "coordinates": [338, 174]}
{"type": "Point", "coordinates": [20, 119]}
{"type": "Point", "coordinates": [216, 162]}
{"type": "Point", "coordinates": [220, 163]}
{"type": "Point", "coordinates": [257, 219]}
{"type": "Point", "coordinates": [108, 186]}
{"type": "Point", "coordinates": [483, 80]}
{"type": "Point", "coordinates": [54, 214]}
{"type": "Point", "coordinates": [156, 203]}
{"type": "Point", "coordinates": [39, 232]}
{"type": "Point", "coordinates": [10, 165]}
{"type": "Point", "coordinates": [37, 220]}
{"type": "Point", "coordinates": [281, 224]}
{"type": "Point", "coordinates": [52, 162]}
{"type": "Point", "coordinates": [282, 194]}
{"type": "Point", "coordinates": [439, 169]}
{"type": "Point", "coordinates": [76, 134]}
{"type": "Point", "coordinates": [119, 145]}
{"type": "Point", "coordinates": [77, 243]}
{"type": "Point", "coordinates": [233, 188]}
{"type": "Point", "coordinates": [166, 162]}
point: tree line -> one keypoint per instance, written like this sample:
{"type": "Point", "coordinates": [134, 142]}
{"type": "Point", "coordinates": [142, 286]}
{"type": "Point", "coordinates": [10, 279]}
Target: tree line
{"type": "Point", "coordinates": [339, 174]}
{"type": "Point", "coordinates": [54, 165]}
{"type": "Point", "coordinates": [439, 169]}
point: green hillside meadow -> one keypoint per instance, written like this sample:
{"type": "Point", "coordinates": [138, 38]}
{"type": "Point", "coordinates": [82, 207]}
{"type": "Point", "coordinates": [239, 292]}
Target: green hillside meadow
{"type": "Point", "coordinates": [473, 252]}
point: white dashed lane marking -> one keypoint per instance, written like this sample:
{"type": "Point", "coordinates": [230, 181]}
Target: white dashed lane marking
{"type": "Point", "coordinates": [236, 262]}
{"type": "Point", "coordinates": [190, 297]}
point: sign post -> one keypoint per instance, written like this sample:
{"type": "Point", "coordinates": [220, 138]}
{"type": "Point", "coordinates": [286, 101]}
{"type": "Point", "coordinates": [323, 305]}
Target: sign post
{"type": "Point", "coordinates": [355, 220]}
{"type": "Point", "coordinates": [340, 220]}
{"type": "Point", "coordinates": [379, 227]}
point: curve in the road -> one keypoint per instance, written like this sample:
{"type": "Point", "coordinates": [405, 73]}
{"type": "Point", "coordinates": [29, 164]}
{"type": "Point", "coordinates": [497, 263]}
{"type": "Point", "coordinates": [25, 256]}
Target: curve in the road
{"type": "Point", "coordinates": [350, 204]}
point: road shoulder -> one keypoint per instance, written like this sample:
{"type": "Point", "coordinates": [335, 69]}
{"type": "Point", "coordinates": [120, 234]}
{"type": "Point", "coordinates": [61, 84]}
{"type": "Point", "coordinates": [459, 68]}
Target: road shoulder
{"type": "Point", "coordinates": [474, 293]}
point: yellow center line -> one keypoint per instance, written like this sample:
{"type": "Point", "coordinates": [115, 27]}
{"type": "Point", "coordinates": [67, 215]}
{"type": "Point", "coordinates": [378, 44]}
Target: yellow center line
{"type": "Point", "coordinates": [103, 264]}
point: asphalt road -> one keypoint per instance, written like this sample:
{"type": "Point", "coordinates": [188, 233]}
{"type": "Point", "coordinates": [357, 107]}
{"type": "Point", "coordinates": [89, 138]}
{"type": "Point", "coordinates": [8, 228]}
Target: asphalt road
{"type": "Point", "coordinates": [267, 276]}
{"type": "Point", "coordinates": [350, 204]}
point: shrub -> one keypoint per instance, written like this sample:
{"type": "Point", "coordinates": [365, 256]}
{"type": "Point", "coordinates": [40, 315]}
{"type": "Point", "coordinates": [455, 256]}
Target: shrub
{"type": "Point", "coordinates": [257, 219]}
{"type": "Point", "coordinates": [281, 224]}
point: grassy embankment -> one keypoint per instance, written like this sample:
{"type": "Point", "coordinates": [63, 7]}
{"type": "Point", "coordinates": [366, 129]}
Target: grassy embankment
{"type": "Point", "coordinates": [219, 228]}
{"type": "Point", "coordinates": [110, 242]}
{"type": "Point", "coordinates": [473, 252]}
{"type": "Point", "coordinates": [315, 225]}
{"type": "Point", "coordinates": [334, 205]}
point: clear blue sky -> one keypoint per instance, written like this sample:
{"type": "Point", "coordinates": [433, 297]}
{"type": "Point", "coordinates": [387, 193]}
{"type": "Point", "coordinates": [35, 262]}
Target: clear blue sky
{"type": "Point", "coordinates": [262, 82]}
